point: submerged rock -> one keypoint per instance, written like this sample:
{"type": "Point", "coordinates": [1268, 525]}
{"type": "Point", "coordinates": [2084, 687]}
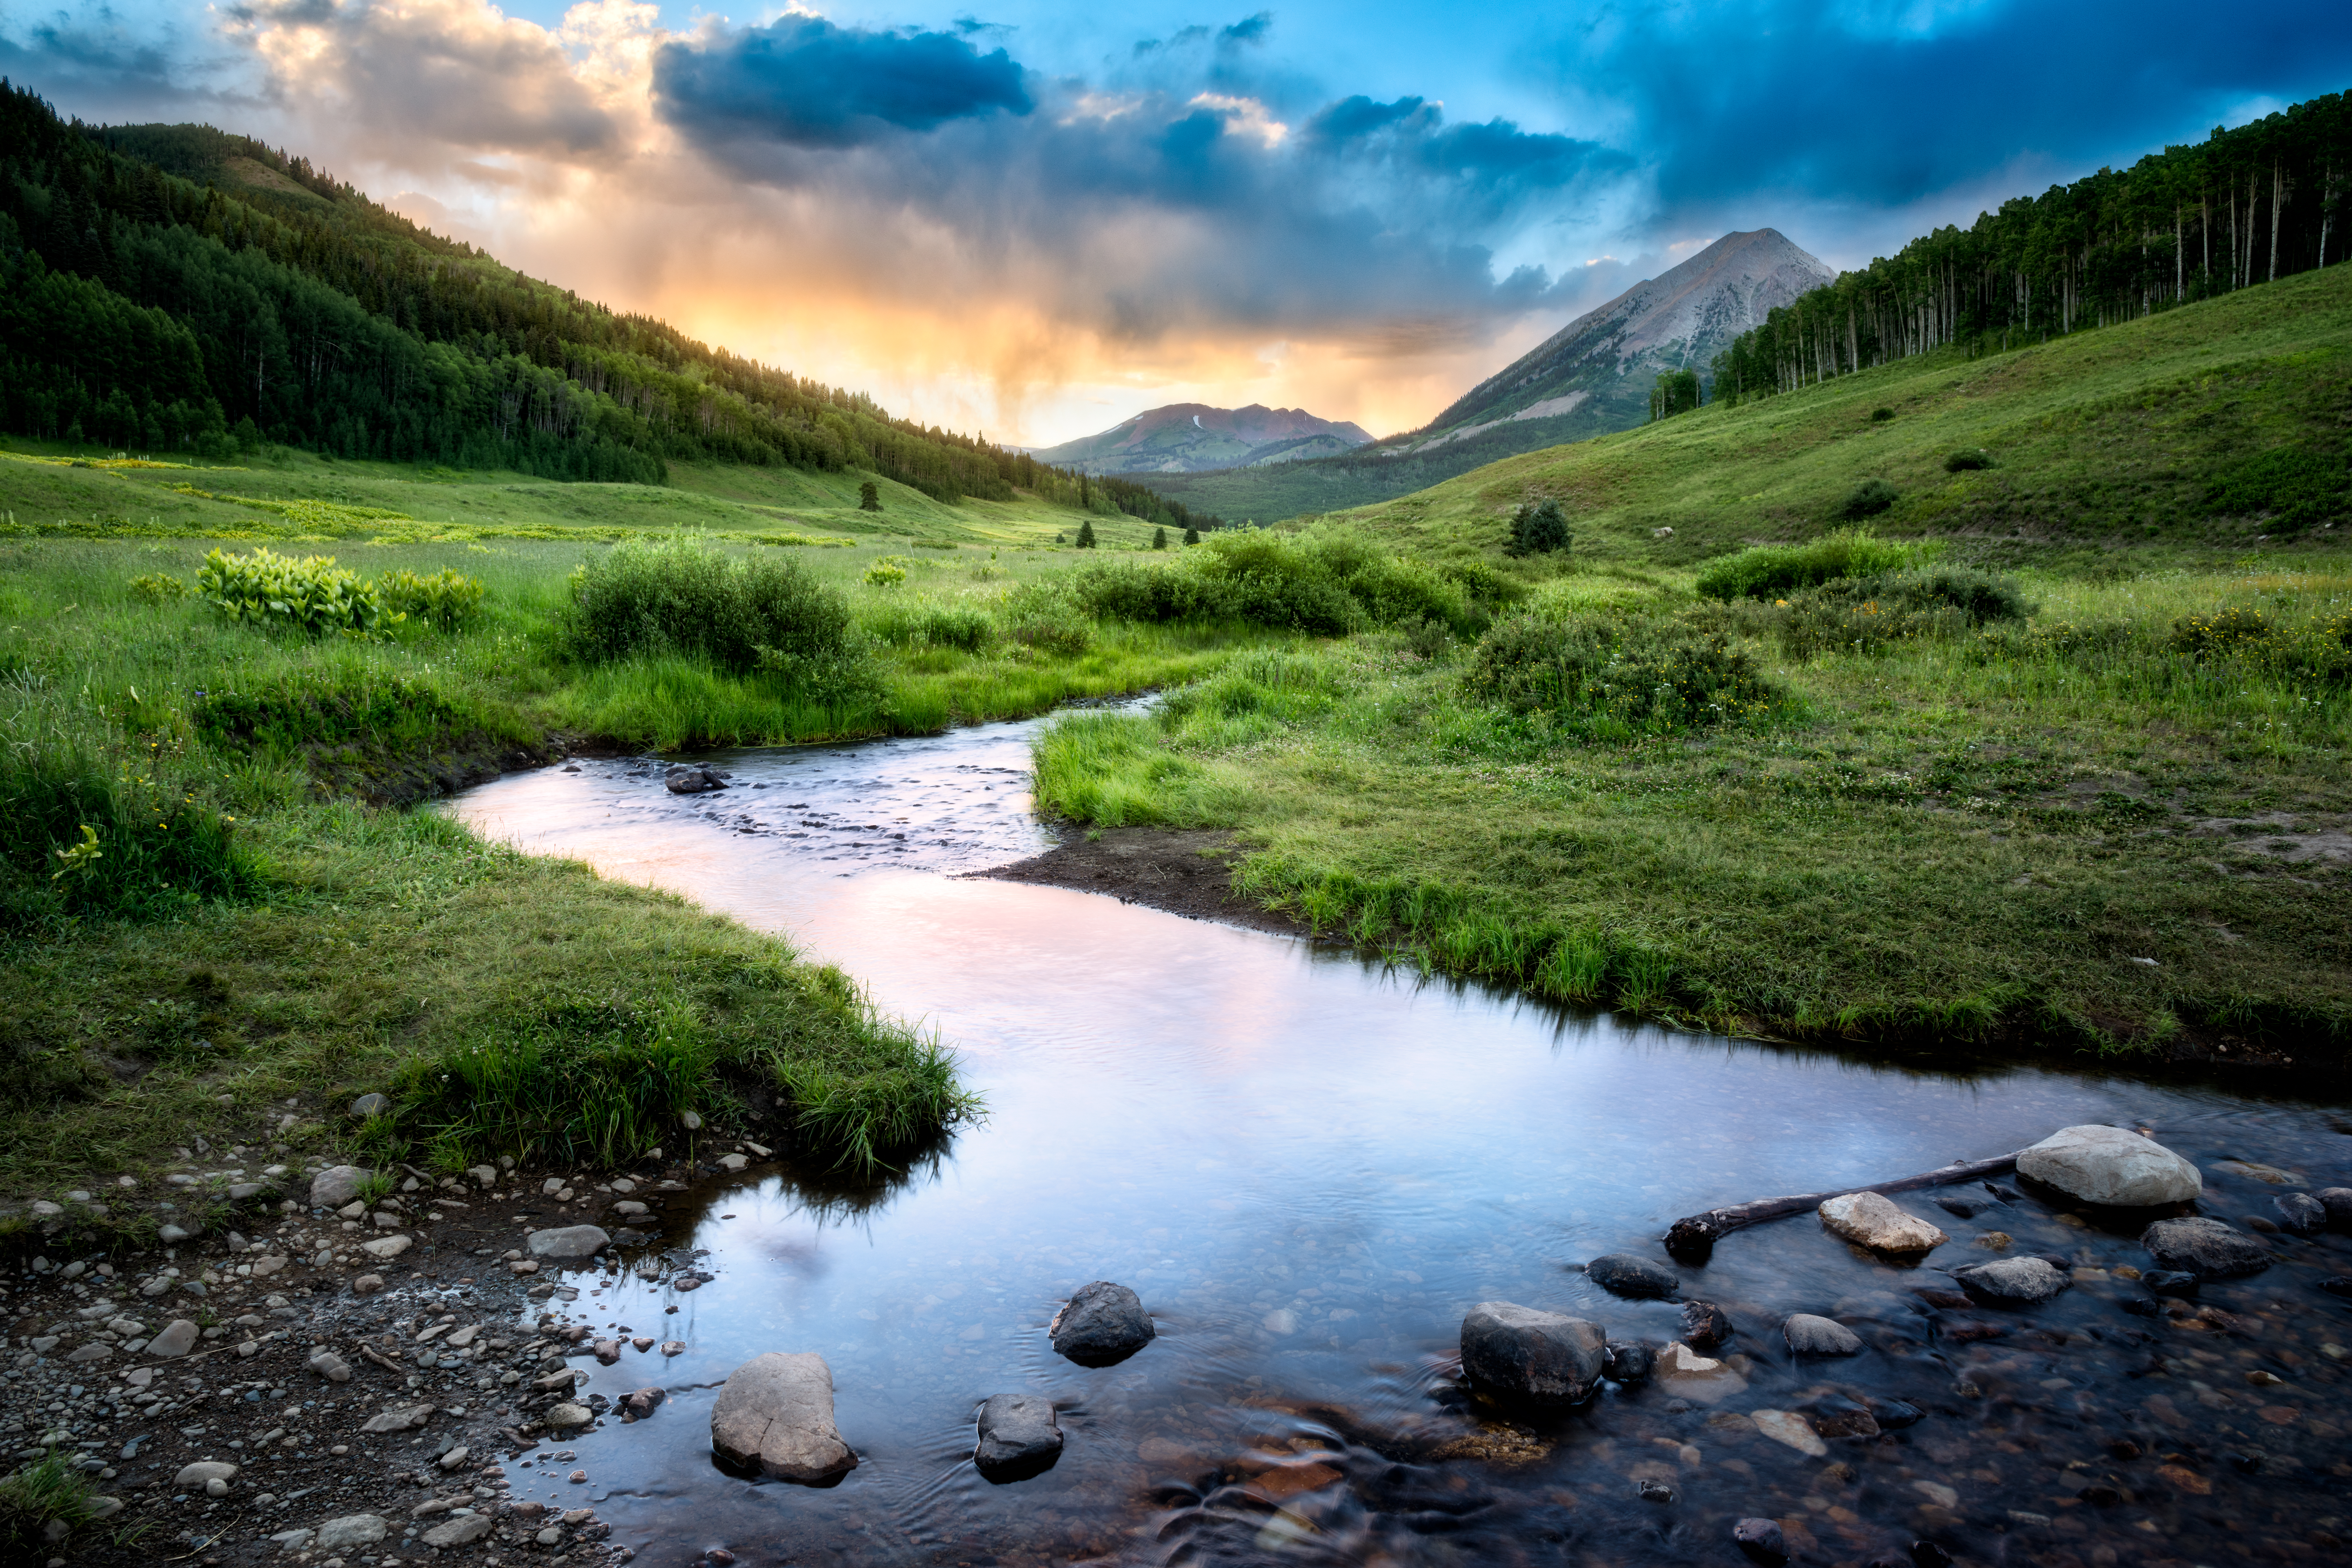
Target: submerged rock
{"type": "Point", "coordinates": [776, 1412]}
{"type": "Point", "coordinates": [1704, 1326]}
{"type": "Point", "coordinates": [689, 778]}
{"type": "Point", "coordinates": [2301, 1213]}
{"type": "Point", "coordinates": [2111, 1165]}
{"type": "Point", "coordinates": [1530, 1356]}
{"type": "Point", "coordinates": [2168, 1282]}
{"type": "Point", "coordinates": [1683, 1372]}
{"type": "Point", "coordinates": [1810, 1335]}
{"type": "Point", "coordinates": [2337, 1202]}
{"type": "Point", "coordinates": [2014, 1281]}
{"type": "Point", "coordinates": [1628, 1359]}
{"type": "Point", "coordinates": [1623, 1274]}
{"type": "Point", "coordinates": [1101, 1325]}
{"type": "Point", "coordinates": [1761, 1540]}
{"type": "Point", "coordinates": [1019, 1437]}
{"type": "Point", "coordinates": [1869, 1219]}
{"type": "Point", "coordinates": [2205, 1247]}
{"type": "Point", "coordinates": [1786, 1426]}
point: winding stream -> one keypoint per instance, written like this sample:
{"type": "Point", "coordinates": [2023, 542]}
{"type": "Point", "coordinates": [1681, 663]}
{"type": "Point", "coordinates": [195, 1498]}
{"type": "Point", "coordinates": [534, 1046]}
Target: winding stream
{"type": "Point", "coordinates": [1309, 1167]}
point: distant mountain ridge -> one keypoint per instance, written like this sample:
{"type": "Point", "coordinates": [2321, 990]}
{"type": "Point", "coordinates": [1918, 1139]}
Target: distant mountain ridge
{"type": "Point", "coordinates": [1193, 438]}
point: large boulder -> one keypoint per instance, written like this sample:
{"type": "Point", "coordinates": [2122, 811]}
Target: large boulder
{"type": "Point", "coordinates": [1870, 1220]}
{"type": "Point", "coordinates": [1810, 1335]}
{"type": "Point", "coordinates": [1102, 1324]}
{"type": "Point", "coordinates": [2111, 1165]}
{"type": "Point", "coordinates": [1018, 1437]}
{"type": "Point", "coordinates": [2337, 1202]}
{"type": "Point", "coordinates": [568, 1243]}
{"type": "Point", "coordinates": [2205, 1247]}
{"type": "Point", "coordinates": [2014, 1281]}
{"type": "Point", "coordinates": [1532, 1357]}
{"type": "Point", "coordinates": [336, 1186]}
{"type": "Point", "coordinates": [1623, 1274]}
{"type": "Point", "coordinates": [776, 1412]}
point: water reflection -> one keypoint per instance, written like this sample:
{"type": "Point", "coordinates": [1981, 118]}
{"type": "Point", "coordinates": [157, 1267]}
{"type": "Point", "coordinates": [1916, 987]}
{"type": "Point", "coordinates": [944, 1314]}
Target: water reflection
{"type": "Point", "coordinates": [1309, 1167]}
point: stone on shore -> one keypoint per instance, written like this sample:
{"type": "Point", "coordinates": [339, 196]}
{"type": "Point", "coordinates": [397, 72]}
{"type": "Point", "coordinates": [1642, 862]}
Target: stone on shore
{"type": "Point", "coordinates": [336, 1186]}
{"type": "Point", "coordinates": [775, 1411]}
{"type": "Point", "coordinates": [2205, 1247]}
{"type": "Point", "coordinates": [1623, 1274]}
{"type": "Point", "coordinates": [1019, 1435]}
{"type": "Point", "coordinates": [1810, 1335]}
{"type": "Point", "coordinates": [1529, 1356]}
{"type": "Point", "coordinates": [1683, 1372]}
{"type": "Point", "coordinates": [331, 1366]}
{"type": "Point", "coordinates": [1102, 1324]}
{"type": "Point", "coordinates": [205, 1470]}
{"type": "Point", "coordinates": [566, 1415]}
{"type": "Point", "coordinates": [1869, 1219]}
{"type": "Point", "coordinates": [369, 1105]}
{"type": "Point", "coordinates": [178, 1338]}
{"type": "Point", "coordinates": [386, 1249]}
{"type": "Point", "coordinates": [352, 1530]}
{"type": "Point", "coordinates": [568, 1243]}
{"type": "Point", "coordinates": [458, 1532]}
{"type": "Point", "coordinates": [2111, 1165]}
{"type": "Point", "coordinates": [2014, 1281]}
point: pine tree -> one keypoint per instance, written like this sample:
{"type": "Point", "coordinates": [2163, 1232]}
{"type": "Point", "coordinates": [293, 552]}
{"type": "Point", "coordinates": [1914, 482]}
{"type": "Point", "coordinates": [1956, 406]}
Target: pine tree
{"type": "Point", "coordinates": [1158, 539]}
{"type": "Point", "coordinates": [1191, 536]}
{"type": "Point", "coordinates": [869, 497]}
{"type": "Point", "coordinates": [1086, 534]}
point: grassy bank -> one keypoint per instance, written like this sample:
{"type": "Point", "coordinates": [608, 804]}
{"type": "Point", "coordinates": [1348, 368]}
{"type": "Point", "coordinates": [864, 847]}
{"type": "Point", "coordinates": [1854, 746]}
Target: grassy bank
{"type": "Point", "coordinates": [2074, 777]}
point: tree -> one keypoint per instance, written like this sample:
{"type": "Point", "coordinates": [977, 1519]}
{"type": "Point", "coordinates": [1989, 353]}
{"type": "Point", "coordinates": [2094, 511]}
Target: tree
{"type": "Point", "coordinates": [1676, 391]}
{"type": "Point", "coordinates": [1158, 539]}
{"type": "Point", "coordinates": [1191, 536]}
{"type": "Point", "coordinates": [1086, 534]}
{"type": "Point", "coordinates": [1537, 528]}
{"type": "Point", "coordinates": [869, 497]}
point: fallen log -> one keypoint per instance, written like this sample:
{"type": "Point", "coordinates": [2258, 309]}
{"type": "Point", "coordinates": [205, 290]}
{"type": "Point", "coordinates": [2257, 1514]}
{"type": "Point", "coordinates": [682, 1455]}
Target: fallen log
{"type": "Point", "coordinates": [1692, 1238]}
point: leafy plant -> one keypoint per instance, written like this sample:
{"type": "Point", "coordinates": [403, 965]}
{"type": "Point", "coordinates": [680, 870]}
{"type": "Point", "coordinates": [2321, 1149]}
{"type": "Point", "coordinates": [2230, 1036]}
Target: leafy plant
{"type": "Point", "coordinates": [1966, 458]}
{"type": "Point", "coordinates": [1869, 499]}
{"type": "Point", "coordinates": [311, 594]}
{"type": "Point", "coordinates": [681, 595]}
{"type": "Point", "coordinates": [1538, 528]}
{"type": "Point", "coordinates": [444, 600]}
{"type": "Point", "coordinates": [1864, 614]}
{"type": "Point", "coordinates": [158, 588]}
{"type": "Point", "coordinates": [2294, 487]}
{"type": "Point", "coordinates": [1619, 678]}
{"type": "Point", "coordinates": [1773, 571]}
{"type": "Point", "coordinates": [886, 572]}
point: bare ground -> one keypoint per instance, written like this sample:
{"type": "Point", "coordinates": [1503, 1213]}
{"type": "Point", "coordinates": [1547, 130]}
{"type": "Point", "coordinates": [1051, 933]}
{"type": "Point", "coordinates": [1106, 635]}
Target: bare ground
{"type": "Point", "coordinates": [1184, 871]}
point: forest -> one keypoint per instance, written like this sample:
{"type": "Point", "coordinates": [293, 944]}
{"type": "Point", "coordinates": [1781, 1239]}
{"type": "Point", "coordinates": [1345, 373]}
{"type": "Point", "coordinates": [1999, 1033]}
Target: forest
{"type": "Point", "coordinates": [2194, 222]}
{"type": "Point", "coordinates": [143, 308]}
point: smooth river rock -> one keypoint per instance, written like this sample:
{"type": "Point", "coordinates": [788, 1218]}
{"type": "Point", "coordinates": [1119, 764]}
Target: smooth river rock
{"type": "Point", "coordinates": [1810, 1335]}
{"type": "Point", "coordinates": [2205, 1247]}
{"type": "Point", "coordinates": [2014, 1281]}
{"type": "Point", "coordinates": [1684, 1373]}
{"type": "Point", "coordinates": [337, 1185]}
{"type": "Point", "coordinates": [2300, 1213]}
{"type": "Point", "coordinates": [1101, 1325]}
{"type": "Point", "coordinates": [776, 1412]}
{"type": "Point", "coordinates": [458, 1532]}
{"type": "Point", "coordinates": [1530, 1356]}
{"type": "Point", "coordinates": [1630, 1361]}
{"type": "Point", "coordinates": [2337, 1202]}
{"type": "Point", "coordinates": [567, 1244]}
{"type": "Point", "coordinates": [1870, 1220]}
{"type": "Point", "coordinates": [352, 1530]}
{"type": "Point", "coordinates": [1762, 1542]}
{"type": "Point", "coordinates": [1019, 1437]}
{"type": "Point", "coordinates": [1623, 1274]}
{"type": "Point", "coordinates": [689, 779]}
{"type": "Point", "coordinates": [2111, 1165]}
{"type": "Point", "coordinates": [177, 1338]}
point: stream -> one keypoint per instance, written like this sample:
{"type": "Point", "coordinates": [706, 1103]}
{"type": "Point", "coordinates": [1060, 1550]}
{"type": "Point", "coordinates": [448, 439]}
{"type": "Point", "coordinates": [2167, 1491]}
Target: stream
{"type": "Point", "coordinates": [1309, 1167]}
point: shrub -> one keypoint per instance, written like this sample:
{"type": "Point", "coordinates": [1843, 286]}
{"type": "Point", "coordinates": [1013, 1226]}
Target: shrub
{"type": "Point", "coordinates": [1966, 458]}
{"type": "Point", "coordinates": [1048, 617]}
{"type": "Point", "coordinates": [1869, 499]}
{"type": "Point", "coordinates": [1774, 570]}
{"type": "Point", "coordinates": [311, 594]}
{"type": "Point", "coordinates": [886, 572]}
{"type": "Point", "coordinates": [2318, 649]}
{"type": "Point", "coordinates": [1538, 528]}
{"type": "Point", "coordinates": [1881, 416]}
{"type": "Point", "coordinates": [1326, 584]}
{"type": "Point", "coordinates": [681, 596]}
{"type": "Point", "coordinates": [158, 588]}
{"type": "Point", "coordinates": [1867, 613]}
{"type": "Point", "coordinates": [2294, 487]}
{"type": "Point", "coordinates": [444, 601]}
{"type": "Point", "coordinates": [1615, 680]}
{"type": "Point", "coordinates": [926, 623]}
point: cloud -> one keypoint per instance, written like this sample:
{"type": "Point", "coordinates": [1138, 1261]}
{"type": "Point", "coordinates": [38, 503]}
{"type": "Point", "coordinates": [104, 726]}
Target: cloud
{"type": "Point", "coordinates": [804, 81]}
{"type": "Point", "coordinates": [1250, 30]}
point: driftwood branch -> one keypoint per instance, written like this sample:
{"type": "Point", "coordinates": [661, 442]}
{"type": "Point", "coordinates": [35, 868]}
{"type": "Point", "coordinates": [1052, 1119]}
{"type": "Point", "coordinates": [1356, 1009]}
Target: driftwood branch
{"type": "Point", "coordinates": [1693, 1237]}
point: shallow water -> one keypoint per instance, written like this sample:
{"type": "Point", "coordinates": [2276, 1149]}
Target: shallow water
{"type": "Point", "coordinates": [1309, 1167]}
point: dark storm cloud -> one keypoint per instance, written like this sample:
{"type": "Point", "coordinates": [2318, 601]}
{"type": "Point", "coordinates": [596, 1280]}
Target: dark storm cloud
{"type": "Point", "coordinates": [805, 81]}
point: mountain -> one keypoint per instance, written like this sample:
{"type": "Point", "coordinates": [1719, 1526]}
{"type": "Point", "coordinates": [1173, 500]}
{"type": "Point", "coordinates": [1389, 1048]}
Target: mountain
{"type": "Point", "coordinates": [1192, 437]}
{"type": "Point", "coordinates": [1592, 377]}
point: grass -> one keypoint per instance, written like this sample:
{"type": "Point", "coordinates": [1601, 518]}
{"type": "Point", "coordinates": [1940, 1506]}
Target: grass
{"type": "Point", "coordinates": [50, 1489]}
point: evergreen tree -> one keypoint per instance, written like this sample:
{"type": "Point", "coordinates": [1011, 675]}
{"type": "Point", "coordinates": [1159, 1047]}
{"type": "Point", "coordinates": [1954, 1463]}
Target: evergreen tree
{"type": "Point", "coordinates": [869, 497]}
{"type": "Point", "coordinates": [1538, 528]}
{"type": "Point", "coordinates": [1158, 539]}
{"type": "Point", "coordinates": [1191, 536]}
{"type": "Point", "coordinates": [1086, 534]}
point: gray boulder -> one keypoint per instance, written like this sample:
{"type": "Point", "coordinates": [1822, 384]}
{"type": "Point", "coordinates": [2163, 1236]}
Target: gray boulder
{"type": "Point", "coordinates": [2300, 1213]}
{"type": "Point", "coordinates": [337, 1185]}
{"type": "Point", "coordinates": [2014, 1281]}
{"type": "Point", "coordinates": [567, 1244]}
{"type": "Point", "coordinates": [352, 1530]}
{"type": "Point", "coordinates": [2205, 1247]}
{"type": "Point", "coordinates": [1529, 1356]}
{"type": "Point", "coordinates": [1869, 1219]}
{"type": "Point", "coordinates": [178, 1339]}
{"type": "Point", "coordinates": [776, 1412]}
{"type": "Point", "coordinates": [458, 1532]}
{"type": "Point", "coordinates": [1018, 1437]}
{"type": "Point", "coordinates": [1102, 1324]}
{"type": "Point", "coordinates": [2337, 1202]}
{"type": "Point", "coordinates": [1628, 1360]}
{"type": "Point", "coordinates": [2111, 1165]}
{"type": "Point", "coordinates": [689, 778]}
{"type": "Point", "coordinates": [1810, 1335]}
{"type": "Point", "coordinates": [1623, 1274]}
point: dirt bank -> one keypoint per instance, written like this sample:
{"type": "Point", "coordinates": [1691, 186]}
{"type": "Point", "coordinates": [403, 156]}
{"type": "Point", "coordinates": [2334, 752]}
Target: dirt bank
{"type": "Point", "coordinates": [1186, 872]}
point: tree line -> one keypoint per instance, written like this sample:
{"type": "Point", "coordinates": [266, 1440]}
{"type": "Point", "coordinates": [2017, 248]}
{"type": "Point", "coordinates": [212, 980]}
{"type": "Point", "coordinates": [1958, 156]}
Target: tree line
{"type": "Point", "coordinates": [146, 307]}
{"type": "Point", "coordinates": [2195, 221]}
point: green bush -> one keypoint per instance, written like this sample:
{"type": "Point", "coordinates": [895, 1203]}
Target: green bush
{"type": "Point", "coordinates": [1618, 679]}
{"type": "Point", "coordinates": [311, 594]}
{"type": "Point", "coordinates": [1773, 571]}
{"type": "Point", "coordinates": [886, 572]}
{"type": "Point", "coordinates": [2319, 649]}
{"type": "Point", "coordinates": [1966, 458]}
{"type": "Point", "coordinates": [1864, 614]}
{"type": "Point", "coordinates": [158, 588]}
{"type": "Point", "coordinates": [1048, 617]}
{"type": "Point", "coordinates": [926, 623]}
{"type": "Point", "coordinates": [1869, 499]}
{"type": "Point", "coordinates": [2294, 487]}
{"type": "Point", "coordinates": [1326, 584]}
{"type": "Point", "coordinates": [1540, 526]}
{"type": "Point", "coordinates": [444, 601]}
{"type": "Point", "coordinates": [680, 596]}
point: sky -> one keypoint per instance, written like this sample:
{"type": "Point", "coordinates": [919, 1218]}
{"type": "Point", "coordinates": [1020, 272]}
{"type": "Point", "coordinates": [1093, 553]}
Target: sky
{"type": "Point", "coordinates": [1033, 219]}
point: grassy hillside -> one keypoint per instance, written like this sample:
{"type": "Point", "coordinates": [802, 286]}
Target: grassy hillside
{"type": "Point", "coordinates": [2068, 770]}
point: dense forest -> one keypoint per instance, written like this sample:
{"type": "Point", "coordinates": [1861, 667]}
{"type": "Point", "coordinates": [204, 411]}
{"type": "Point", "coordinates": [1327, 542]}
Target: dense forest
{"type": "Point", "coordinates": [144, 306]}
{"type": "Point", "coordinates": [2242, 207]}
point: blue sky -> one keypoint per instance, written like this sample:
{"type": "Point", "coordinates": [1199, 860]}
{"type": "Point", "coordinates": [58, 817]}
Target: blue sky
{"type": "Point", "coordinates": [1038, 217]}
